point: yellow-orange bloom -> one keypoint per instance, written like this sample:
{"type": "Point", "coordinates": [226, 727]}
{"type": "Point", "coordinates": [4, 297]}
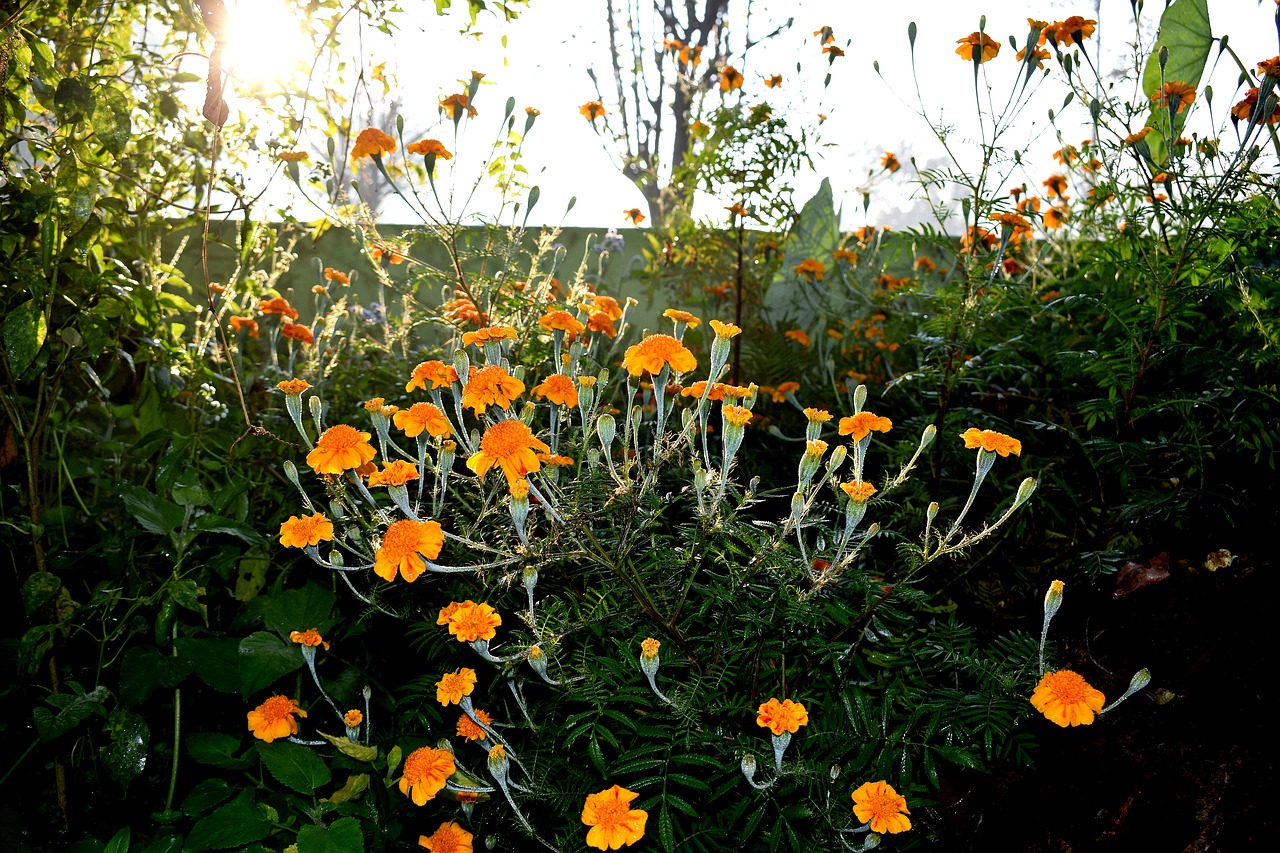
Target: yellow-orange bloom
{"type": "Point", "coordinates": [858, 490]}
{"type": "Point", "coordinates": [331, 274]}
{"type": "Point", "coordinates": [509, 444]}
{"type": "Point", "coordinates": [811, 269]}
{"type": "Point", "coordinates": [559, 389]}
{"type": "Point", "coordinates": [773, 81]}
{"type": "Point", "coordinates": [1067, 699]}
{"type": "Point", "coordinates": [276, 305]}
{"type": "Point", "coordinates": [371, 142]}
{"type": "Point", "coordinates": [818, 416]}
{"type": "Point", "coordinates": [341, 448]}
{"type": "Point", "coordinates": [467, 728]}
{"type": "Point", "coordinates": [859, 426]}
{"type": "Point", "coordinates": [678, 316]}
{"type": "Point", "coordinates": [430, 146]}
{"type": "Point", "coordinates": [649, 647]}
{"type": "Point", "coordinates": [561, 321]}
{"type": "Point", "coordinates": [274, 719]}
{"type": "Point", "coordinates": [310, 637]}
{"type": "Point", "coordinates": [880, 805]}
{"type": "Point", "coordinates": [425, 772]}
{"type": "Point", "coordinates": [1073, 30]}
{"type": "Point", "coordinates": [439, 374]}
{"type": "Point", "coordinates": [1056, 186]}
{"type": "Point", "coordinates": [353, 718]}
{"type": "Point", "coordinates": [247, 324]}
{"type": "Point", "coordinates": [725, 330]}
{"type": "Point", "coordinates": [634, 214]}
{"type": "Point", "coordinates": [423, 416]}
{"type": "Point", "coordinates": [293, 386]}
{"type": "Point", "coordinates": [889, 162]}
{"type": "Point", "coordinates": [800, 336]}
{"type": "Point", "coordinates": [730, 78]}
{"type": "Point", "coordinates": [452, 686]}
{"type": "Point", "coordinates": [455, 105]}
{"type": "Point", "coordinates": [395, 473]}
{"type": "Point", "coordinates": [298, 332]}
{"type": "Point", "coordinates": [779, 394]}
{"type": "Point", "coordinates": [491, 386]}
{"type": "Point", "coordinates": [471, 622]}
{"type": "Point", "coordinates": [657, 351]}
{"type": "Point", "coordinates": [613, 824]}
{"type": "Point", "coordinates": [991, 441]}
{"type": "Point", "coordinates": [301, 531]}
{"type": "Point", "coordinates": [592, 110]}
{"type": "Point", "coordinates": [293, 156]}
{"type": "Point", "coordinates": [736, 415]}
{"type": "Point", "coordinates": [719, 391]}
{"type": "Point", "coordinates": [784, 716]}
{"type": "Point", "coordinates": [599, 322]}
{"type": "Point", "coordinates": [1055, 217]}
{"type": "Point", "coordinates": [974, 42]}
{"type": "Point", "coordinates": [448, 838]}
{"type": "Point", "coordinates": [404, 545]}
{"type": "Point", "coordinates": [846, 255]}
{"type": "Point", "coordinates": [1184, 93]}
{"type": "Point", "coordinates": [489, 333]}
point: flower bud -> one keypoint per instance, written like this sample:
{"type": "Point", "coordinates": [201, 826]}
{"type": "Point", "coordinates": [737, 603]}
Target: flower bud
{"type": "Point", "coordinates": [606, 429]}
{"type": "Point", "coordinates": [859, 398]}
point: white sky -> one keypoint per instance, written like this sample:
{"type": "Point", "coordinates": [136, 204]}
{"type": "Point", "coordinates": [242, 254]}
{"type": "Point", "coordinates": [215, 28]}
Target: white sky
{"type": "Point", "coordinates": [550, 46]}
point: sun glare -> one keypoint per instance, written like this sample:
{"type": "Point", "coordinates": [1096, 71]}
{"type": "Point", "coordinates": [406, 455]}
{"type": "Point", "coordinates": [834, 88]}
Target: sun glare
{"type": "Point", "coordinates": [265, 41]}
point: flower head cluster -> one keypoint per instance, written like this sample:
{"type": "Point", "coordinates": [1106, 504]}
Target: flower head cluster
{"type": "Point", "coordinates": [404, 546]}
{"type": "Point", "coordinates": [991, 441]}
{"type": "Point", "coordinates": [448, 838]}
{"type": "Point", "coordinates": [425, 772]}
{"type": "Point", "coordinates": [469, 621]}
{"type": "Point", "coordinates": [861, 425]}
{"type": "Point", "coordinates": [439, 374]}
{"type": "Point", "coordinates": [491, 386]}
{"type": "Point", "coordinates": [421, 417]}
{"type": "Point", "coordinates": [341, 448]}
{"type": "Point", "coordinates": [658, 351]}
{"type": "Point", "coordinates": [880, 805]}
{"type": "Point", "coordinates": [274, 719]}
{"type": "Point", "coordinates": [613, 823]}
{"type": "Point", "coordinates": [510, 444]}
{"type": "Point", "coordinates": [371, 142]}
{"type": "Point", "coordinates": [452, 686]}
{"type": "Point", "coordinates": [977, 45]}
{"type": "Point", "coordinates": [301, 531]}
{"type": "Point", "coordinates": [1065, 698]}
{"type": "Point", "coordinates": [784, 716]}
{"type": "Point", "coordinates": [429, 147]}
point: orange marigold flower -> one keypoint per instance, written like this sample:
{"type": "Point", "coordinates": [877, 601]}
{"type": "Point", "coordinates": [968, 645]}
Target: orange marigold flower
{"type": "Point", "coordinates": [833, 51]}
{"type": "Point", "coordinates": [925, 264]}
{"type": "Point", "coordinates": [725, 330]}
{"type": "Point", "coordinates": [1067, 699]}
{"type": "Point", "coordinates": [334, 275]}
{"type": "Point", "coordinates": [1055, 217]}
{"type": "Point", "coordinates": [301, 531]}
{"type": "Point", "coordinates": [971, 44]}
{"type": "Point", "coordinates": [657, 351]}
{"type": "Point", "coordinates": [730, 79]}
{"type": "Point", "coordinates": [858, 490]}
{"type": "Point", "coordinates": [1056, 186]}
{"type": "Point", "coordinates": [395, 473]}
{"type": "Point", "coordinates": [861, 425]}
{"type": "Point", "coordinates": [880, 805]}
{"type": "Point", "coordinates": [991, 441]}
{"type": "Point", "coordinates": [403, 547]}
{"type": "Point", "coordinates": [491, 333]}
{"type": "Point", "coordinates": [371, 142]}
{"type": "Point", "coordinates": [811, 269]}
{"type": "Point", "coordinates": [456, 105]}
{"type": "Point", "coordinates": [510, 444]}
{"type": "Point", "coordinates": [293, 386]}
{"type": "Point", "coordinates": [452, 686]}
{"type": "Point", "coordinates": [1269, 67]}
{"type": "Point", "coordinates": [448, 838]}
{"type": "Point", "coordinates": [310, 637]}
{"type": "Point", "coordinates": [649, 647]}
{"type": "Point", "coordinates": [736, 209]}
{"type": "Point", "coordinates": [634, 214]}
{"type": "Point", "coordinates": [467, 728]}
{"type": "Point", "coordinates": [780, 393]}
{"type": "Point", "coordinates": [784, 716]}
{"type": "Point", "coordinates": [1183, 94]}
{"type": "Point", "coordinates": [247, 324]}
{"type": "Point", "coordinates": [341, 448]}
{"type": "Point", "coordinates": [425, 772]}
{"type": "Point", "coordinates": [690, 54]}
{"type": "Point", "coordinates": [1137, 136]}
{"type": "Point", "coordinates": [491, 386]}
{"type": "Point", "coordinates": [298, 332]}
{"type": "Point", "coordinates": [889, 162]}
{"type": "Point", "coordinates": [1038, 56]}
{"type": "Point", "coordinates": [556, 459]}
{"type": "Point", "coordinates": [561, 321]}
{"type": "Point", "coordinates": [612, 823]}
{"type": "Point", "coordinates": [606, 305]}
{"type": "Point", "coordinates": [423, 416]}
{"type": "Point", "coordinates": [353, 718]}
{"type": "Point", "coordinates": [472, 622]}
{"type": "Point", "coordinates": [737, 415]}
{"type": "Point", "coordinates": [800, 336]}
{"type": "Point", "coordinates": [1073, 30]}
{"type": "Point", "coordinates": [818, 416]}
{"type": "Point", "coordinates": [463, 310]}
{"type": "Point", "coordinates": [844, 255]}
{"type": "Point", "coordinates": [293, 156]}
{"type": "Point", "coordinates": [559, 389]}
{"type": "Point", "coordinates": [274, 719]}
{"type": "Point", "coordinates": [826, 35]}
{"type": "Point", "coordinates": [592, 110]}
{"type": "Point", "coordinates": [678, 316]}
{"type": "Point", "coordinates": [719, 391]}
{"type": "Point", "coordinates": [439, 374]}
{"type": "Point", "coordinates": [599, 321]}
{"type": "Point", "coordinates": [426, 147]}
{"type": "Point", "coordinates": [1013, 220]}
{"type": "Point", "coordinates": [277, 305]}
{"type": "Point", "coordinates": [774, 81]}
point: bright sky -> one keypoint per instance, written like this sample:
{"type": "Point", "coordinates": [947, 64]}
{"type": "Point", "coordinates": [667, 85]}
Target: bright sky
{"type": "Point", "coordinates": [549, 48]}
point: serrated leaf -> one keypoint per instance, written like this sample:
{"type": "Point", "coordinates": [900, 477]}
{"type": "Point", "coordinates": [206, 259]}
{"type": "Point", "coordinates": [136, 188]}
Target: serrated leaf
{"type": "Point", "coordinates": [295, 765]}
{"type": "Point", "coordinates": [110, 120]}
{"type": "Point", "coordinates": [25, 330]}
{"type": "Point", "coordinates": [264, 657]}
{"type": "Point", "coordinates": [38, 590]}
{"type": "Point", "coordinates": [236, 824]}
{"type": "Point", "coordinates": [299, 609]}
{"type": "Point", "coordinates": [206, 794]}
{"type": "Point", "coordinates": [126, 755]}
{"type": "Point", "coordinates": [218, 750]}
{"type": "Point", "coordinates": [146, 668]}
{"type": "Point", "coordinates": [341, 836]}
{"type": "Point", "coordinates": [153, 512]}
{"type": "Point", "coordinates": [73, 710]}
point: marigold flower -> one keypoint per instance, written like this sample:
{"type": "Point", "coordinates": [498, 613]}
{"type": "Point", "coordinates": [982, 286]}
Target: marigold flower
{"type": "Point", "coordinates": [730, 79]}
{"type": "Point", "coordinates": [352, 718]}
{"type": "Point", "coordinates": [991, 441]}
{"type": "Point", "coordinates": [974, 42]}
{"type": "Point", "coordinates": [277, 305]}
{"type": "Point", "coordinates": [331, 274]}
{"type": "Point", "coordinates": [880, 805]}
{"type": "Point", "coordinates": [800, 336]}
{"type": "Point", "coordinates": [779, 394]}
{"type": "Point", "coordinates": [491, 386]}
{"type": "Point", "coordinates": [1055, 217]}
{"type": "Point", "coordinates": [774, 81]}
{"type": "Point", "coordinates": [725, 330]}
{"type": "Point", "coordinates": [833, 51]}
{"type": "Point", "coordinates": [463, 310]}
{"type": "Point", "coordinates": [826, 35]}
{"type": "Point", "coordinates": [612, 823]}
{"type": "Point", "coordinates": [691, 54]}
{"type": "Point", "coordinates": [817, 416]}
{"type": "Point", "coordinates": [439, 374]}
{"type": "Point", "coordinates": [846, 255]}
{"type": "Point", "coordinates": [592, 110]}
{"type": "Point", "coordinates": [371, 142]}
{"type": "Point", "coordinates": [425, 772]}
{"type": "Point", "coordinates": [427, 147]}
{"type": "Point", "coordinates": [861, 425]}
{"type": "Point", "coordinates": [1269, 67]}
{"type": "Point", "coordinates": [736, 209]}
{"type": "Point", "coordinates": [561, 321]}
{"type": "Point", "coordinates": [599, 321]}
{"type": "Point", "coordinates": [1243, 110]}
{"type": "Point", "coordinates": [423, 416]}
{"type": "Point", "coordinates": [925, 264]}
{"type": "Point", "coordinates": [606, 305]}
{"type": "Point", "coordinates": [341, 448]}
{"type": "Point", "coordinates": [403, 547]}
{"type": "Point", "coordinates": [293, 156]}
{"type": "Point", "coordinates": [1013, 220]}
{"type": "Point", "coordinates": [811, 269]}
{"type": "Point", "coordinates": [448, 838]}
{"type": "Point", "coordinates": [1073, 30]}
{"type": "Point", "coordinates": [718, 391]}
{"type": "Point", "coordinates": [1038, 56]}
{"type": "Point", "coordinates": [472, 622]}
{"type": "Point", "coordinates": [467, 728]}
{"type": "Point", "coordinates": [490, 333]}
{"type": "Point", "coordinates": [649, 647]}
{"type": "Point", "coordinates": [395, 473]}
{"type": "Point", "coordinates": [310, 637]}
{"type": "Point", "coordinates": [678, 316]}
{"type": "Point", "coordinates": [510, 444]}
{"type": "Point", "coordinates": [737, 415]}
{"type": "Point", "coordinates": [1184, 93]}
{"type": "Point", "coordinates": [634, 214]}
{"type": "Point", "coordinates": [784, 716]}
{"type": "Point", "coordinates": [274, 719]}
{"type": "Point", "coordinates": [858, 490]}
{"type": "Point", "coordinates": [298, 332]}
{"type": "Point", "coordinates": [455, 105]}
{"type": "Point", "coordinates": [452, 686]}
{"type": "Point", "coordinates": [246, 324]}
{"type": "Point", "coordinates": [559, 389]}
{"type": "Point", "coordinates": [657, 351]}
{"type": "Point", "coordinates": [1067, 699]}
{"type": "Point", "coordinates": [889, 162]}
{"type": "Point", "coordinates": [293, 386]}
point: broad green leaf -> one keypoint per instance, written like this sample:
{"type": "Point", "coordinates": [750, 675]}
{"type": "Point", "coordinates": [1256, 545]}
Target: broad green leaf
{"type": "Point", "coordinates": [234, 825]}
{"type": "Point", "coordinates": [817, 234]}
{"type": "Point", "coordinates": [216, 661]}
{"type": "Point", "coordinates": [73, 710]}
{"type": "Point", "coordinates": [119, 843]}
{"type": "Point", "coordinates": [295, 765]}
{"type": "Point", "coordinates": [299, 609]}
{"type": "Point", "coordinates": [217, 524]}
{"type": "Point", "coordinates": [341, 836]}
{"type": "Point", "coordinates": [1185, 31]}
{"type": "Point", "coordinates": [38, 590]}
{"type": "Point", "coordinates": [24, 332]}
{"type": "Point", "coordinates": [126, 755]}
{"type": "Point", "coordinates": [217, 749]}
{"type": "Point", "coordinates": [205, 795]}
{"type": "Point", "coordinates": [145, 669]}
{"type": "Point", "coordinates": [152, 511]}
{"type": "Point", "coordinates": [72, 100]}
{"type": "Point", "coordinates": [110, 120]}
{"type": "Point", "coordinates": [264, 657]}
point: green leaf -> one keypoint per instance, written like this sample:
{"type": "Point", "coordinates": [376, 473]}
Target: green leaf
{"type": "Point", "coordinates": [216, 661]}
{"type": "Point", "coordinates": [145, 669]}
{"type": "Point", "coordinates": [351, 750]}
{"type": "Point", "coordinates": [218, 750]}
{"type": "Point", "coordinates": [959, 756]}
{"type": "Point", "coordinates": [217, 524]}
{"type": "Point", "coordinates": [72, 100]}
{"type": "Point", "coordinates": [126, 755]}
{"type": "Point", "coordinates": [295, 765]}
{"type": "Point", "coordinates": [234, 825]}
{"type": "Point", "coordinates": [264, 657]}
{"type": "Point", "coordinates": [24, 332]}
{"type": "Point", "coordinates": [341, 836]}
{"type": "Point", "coordinates": [205, 795]}
{"type": "Point", "coordinates": [817, 234]}
{"type": "Point", "coordinates": [110, 120]}
{"type": "Point", "coordinates": [119, 843]}
{"type": "Point", "coordinates": [1184, 30]}
{"type": "Point", "coordinates": [356, 785]}
{"type": "Point", "coordinates": [73, 710]}
{"type": "Point", "coordinates": [38, 590]}
{"type": "Point", "coordinates": [299, 609]}
{"type": "Point", "coordinates": [153, 512]}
